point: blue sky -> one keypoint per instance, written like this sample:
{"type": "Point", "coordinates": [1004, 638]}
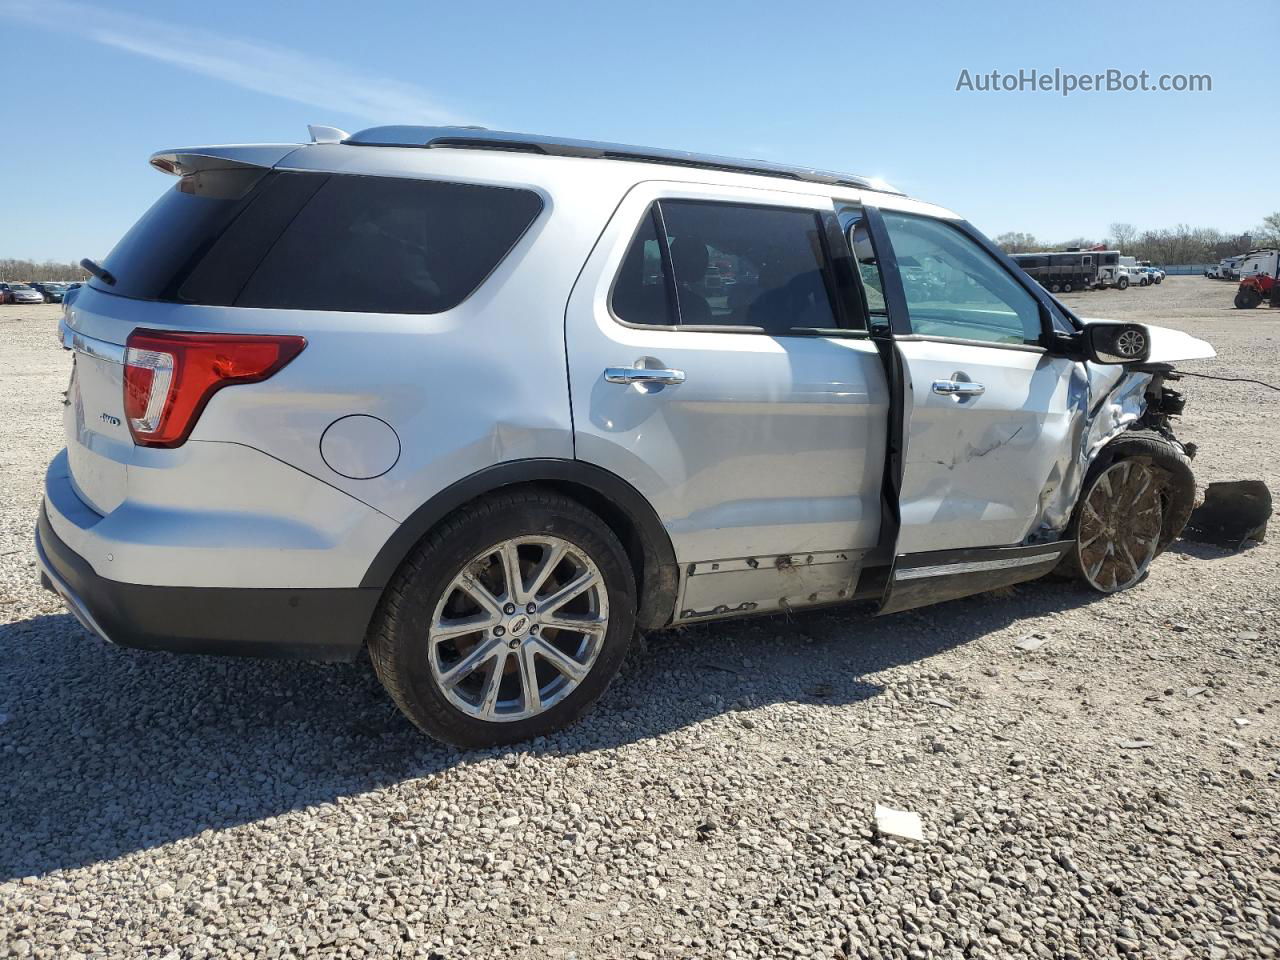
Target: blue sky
{"type": "Point", "coordinates": [94, 89]}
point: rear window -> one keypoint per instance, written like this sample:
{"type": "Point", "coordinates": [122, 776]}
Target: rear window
{"type": "Point", "coordinates": [313, 241]}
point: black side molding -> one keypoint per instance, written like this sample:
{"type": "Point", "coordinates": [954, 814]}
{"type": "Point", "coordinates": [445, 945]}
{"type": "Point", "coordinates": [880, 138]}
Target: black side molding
{"type": "Point", "coordinates": [919, 579]}
{"type": "Point", "coordinates": [619, 504]}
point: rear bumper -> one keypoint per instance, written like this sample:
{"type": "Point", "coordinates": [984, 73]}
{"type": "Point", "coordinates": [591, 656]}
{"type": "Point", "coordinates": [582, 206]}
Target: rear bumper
{"type": "Point", "coordinates": [317, 623]}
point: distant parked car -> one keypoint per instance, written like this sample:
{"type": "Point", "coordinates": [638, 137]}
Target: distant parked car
{"type": "Point", "coordinates": [51, 292]}
{"type": "Point", "coordinates": [24, 293]}
{"type": "Point", "coordinates": [6, 294]}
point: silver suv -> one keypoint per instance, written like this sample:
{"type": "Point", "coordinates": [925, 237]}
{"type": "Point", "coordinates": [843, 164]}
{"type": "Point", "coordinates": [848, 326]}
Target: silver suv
{"type": "Point", "coordinates": [488, 403]}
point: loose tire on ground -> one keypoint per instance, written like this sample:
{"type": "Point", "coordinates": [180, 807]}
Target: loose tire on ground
{"type": "Point", "coordinates": [1136, 499]}
{"type": "Point", "coordinates": [522, 681]}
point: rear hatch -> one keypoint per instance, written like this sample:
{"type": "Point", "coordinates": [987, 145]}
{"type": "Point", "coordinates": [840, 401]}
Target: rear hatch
{"type": "Point", "coordinates": [164, 263]}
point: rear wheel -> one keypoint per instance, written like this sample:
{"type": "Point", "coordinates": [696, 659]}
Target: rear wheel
{"type": "Point", "coordinates": [1122, 283]}
{"type": "Point", "coordinates": [1135, 502]}
{"type": "Point", "coordinates": [1054, 288]}
{"type": "Point", "coordinates": [507, 622]}
{"type": "Point", "coordinates": [1066, 288]}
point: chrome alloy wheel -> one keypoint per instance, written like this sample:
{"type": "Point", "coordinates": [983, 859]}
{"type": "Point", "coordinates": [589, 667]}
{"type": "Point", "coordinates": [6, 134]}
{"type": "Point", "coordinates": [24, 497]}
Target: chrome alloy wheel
{"type": "Point", "coordinates": [1120, 526]}
{"type": "Point", "coordinates": [518, 629]}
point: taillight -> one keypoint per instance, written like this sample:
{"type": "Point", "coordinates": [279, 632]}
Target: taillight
{"type": "Point", "coordinates": [169, 377]}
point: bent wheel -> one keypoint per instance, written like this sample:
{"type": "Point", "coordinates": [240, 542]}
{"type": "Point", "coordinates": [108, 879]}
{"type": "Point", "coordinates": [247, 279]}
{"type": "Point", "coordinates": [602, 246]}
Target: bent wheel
{"type": "Point", "coordinates": [507, 622]}
{"type": "Point", "coordinates": [1135, 501]}
{"type": "Point", "coordinates": [1120, 524]}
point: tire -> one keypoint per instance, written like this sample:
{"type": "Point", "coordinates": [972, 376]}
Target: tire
{"type": "Point", "coordinates": [1138, 520]}
{"type": "Point", "coordinates": [1122, 283]}
{"type": "Point", "coordinates": [414, 642]}
{"type": "Point", "coordinates": [1159, 279]}
{"type": "Point", "coordinates": [1247, 298]}
{"type": "Point", "coordinates": [1054, 288]}
{"type": "Point", "coordinates": [1066, 288]}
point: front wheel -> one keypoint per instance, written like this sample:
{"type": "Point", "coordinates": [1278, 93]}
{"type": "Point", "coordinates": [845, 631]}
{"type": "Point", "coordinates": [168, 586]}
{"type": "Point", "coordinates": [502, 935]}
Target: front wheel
{"type": "Point", "coordinates": [508, 622]}
{"type": "Point", "coordinates": [1136, 500]}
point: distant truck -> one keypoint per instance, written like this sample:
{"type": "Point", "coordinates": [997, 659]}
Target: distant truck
{"type": "Point", "coordinates": [1258, 261]}
{"type": "Point", "coordinates": [1259, 279]}
{"type": "Point", "coordinates": [1110, 272]}
{"type": "Point", "coordinates": [1060, 272]}
{"type": "Point", "coordinates": [1229, 268]}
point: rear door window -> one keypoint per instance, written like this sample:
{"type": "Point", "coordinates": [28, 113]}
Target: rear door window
{"type": "Point", "coordinates": [696, 263]}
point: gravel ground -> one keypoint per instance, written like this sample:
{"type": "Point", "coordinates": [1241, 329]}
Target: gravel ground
{"type": "Point", "coordinates": [1112, 792]}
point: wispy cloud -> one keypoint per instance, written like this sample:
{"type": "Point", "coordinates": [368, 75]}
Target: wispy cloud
{"type": "Point", "coordinates": [264, 68]}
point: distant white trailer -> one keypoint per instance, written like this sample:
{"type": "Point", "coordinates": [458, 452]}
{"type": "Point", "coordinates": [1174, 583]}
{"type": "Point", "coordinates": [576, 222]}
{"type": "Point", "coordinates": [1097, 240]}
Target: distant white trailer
{"type": "Point", "coordinates": [1256, 262]}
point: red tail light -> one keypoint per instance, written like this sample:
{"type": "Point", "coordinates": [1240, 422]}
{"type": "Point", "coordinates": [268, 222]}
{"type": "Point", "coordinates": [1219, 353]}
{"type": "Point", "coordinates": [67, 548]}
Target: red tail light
{"type": "Point", "coordinates": [169, 377]}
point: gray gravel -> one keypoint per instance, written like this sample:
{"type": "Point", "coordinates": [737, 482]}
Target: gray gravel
{"type": "Point", "coordinates": [1095, 794]}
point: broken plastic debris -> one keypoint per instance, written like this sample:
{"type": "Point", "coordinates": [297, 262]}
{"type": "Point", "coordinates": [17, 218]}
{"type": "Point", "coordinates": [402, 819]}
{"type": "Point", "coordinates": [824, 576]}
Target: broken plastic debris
{"type": "Point", "coordinates": [898, 823]}
{"type": "Point", "coordinates": [1135, 744]}
{"type": "Point", "coordinates": [1232, 513]}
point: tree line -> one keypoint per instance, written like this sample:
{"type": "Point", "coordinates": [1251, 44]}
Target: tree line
{"type": "Point", "coordinates": [1180, 244]}
{"type": "Point", "coordinates": [32, 272]}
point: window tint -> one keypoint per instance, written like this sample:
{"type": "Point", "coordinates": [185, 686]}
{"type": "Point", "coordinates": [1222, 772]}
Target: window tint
{"type": "Point", "coordinates": [955, 289]}
{"type": "Point", "coordinates": [387, 245]}
{"type": "Point", "coordinates": [747, 266]}
{"type": "Point", "coordinates": [155, 256]}
{"type": "Point", "coordinates": [244, 236]}
{"type": "Point", "coordinates": [641, 293]}
{"type": "Point", "coordinates": [864, 256]}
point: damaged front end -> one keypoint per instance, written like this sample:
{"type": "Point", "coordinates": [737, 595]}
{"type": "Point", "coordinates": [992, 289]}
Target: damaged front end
{"type": "Point", "coordinates": [1105, 401]}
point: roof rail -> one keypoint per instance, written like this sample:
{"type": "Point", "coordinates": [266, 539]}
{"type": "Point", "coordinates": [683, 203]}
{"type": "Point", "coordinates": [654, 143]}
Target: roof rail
{"type": "Point", "coordinates": [478, 138]}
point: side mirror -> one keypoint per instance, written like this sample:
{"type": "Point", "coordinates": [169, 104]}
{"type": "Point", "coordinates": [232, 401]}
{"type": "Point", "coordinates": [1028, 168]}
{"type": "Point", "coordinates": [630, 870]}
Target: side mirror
{"type": "Point", "coordinates": [1117, 343]}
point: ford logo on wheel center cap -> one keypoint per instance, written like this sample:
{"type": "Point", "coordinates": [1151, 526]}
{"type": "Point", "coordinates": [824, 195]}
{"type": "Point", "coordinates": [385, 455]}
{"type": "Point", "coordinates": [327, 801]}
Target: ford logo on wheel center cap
{"type": "Point", "coordinates": [518, 624]}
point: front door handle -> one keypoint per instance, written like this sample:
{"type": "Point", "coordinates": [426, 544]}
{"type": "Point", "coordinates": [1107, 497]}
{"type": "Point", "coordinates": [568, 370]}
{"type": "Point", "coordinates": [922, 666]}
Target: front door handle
{"type": "Point", "coordinates": [643, 375]}
{"type": "Point", "coordinates": [958, 388]}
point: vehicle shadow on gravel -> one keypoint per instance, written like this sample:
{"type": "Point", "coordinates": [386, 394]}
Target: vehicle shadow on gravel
{"type": "Point", "coordinates": [108, 751]}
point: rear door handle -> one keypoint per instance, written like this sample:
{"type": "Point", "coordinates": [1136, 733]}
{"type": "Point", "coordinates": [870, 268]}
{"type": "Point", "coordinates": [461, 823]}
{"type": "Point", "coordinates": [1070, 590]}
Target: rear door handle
{"type": "Point", "coordinates": [643, 375]}
{"type": "Point", "coordinates": [958, 388]}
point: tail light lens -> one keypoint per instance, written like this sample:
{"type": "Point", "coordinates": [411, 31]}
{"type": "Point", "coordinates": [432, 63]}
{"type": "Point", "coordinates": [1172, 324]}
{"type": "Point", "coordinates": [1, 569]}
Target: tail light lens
{"type": "Point", "coordinates": [169, 377]}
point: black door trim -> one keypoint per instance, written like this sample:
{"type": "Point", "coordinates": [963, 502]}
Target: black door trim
{"type": "Point", "coordinates": [919, 579]}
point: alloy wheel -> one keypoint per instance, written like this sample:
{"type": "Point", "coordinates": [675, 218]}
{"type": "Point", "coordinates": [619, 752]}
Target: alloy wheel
{"type": "Point", "coordinates": [1120, 526]}
{"type": "Point", "coordinates": [518, 628]}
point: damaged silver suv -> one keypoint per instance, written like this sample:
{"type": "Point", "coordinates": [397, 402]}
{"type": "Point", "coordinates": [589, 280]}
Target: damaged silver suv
{"type": "Point", "coordinates": [486, 403]}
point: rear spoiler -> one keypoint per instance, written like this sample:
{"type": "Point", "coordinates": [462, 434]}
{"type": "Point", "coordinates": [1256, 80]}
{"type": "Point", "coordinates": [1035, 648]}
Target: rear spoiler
{"type": "Point", "coordinates": [185, 160]}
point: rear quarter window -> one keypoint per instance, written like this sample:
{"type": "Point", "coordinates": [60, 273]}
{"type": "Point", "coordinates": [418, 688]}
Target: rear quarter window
{"type": "Point", "coordinates": [390, 246]}
{"type": "Point", "coordinates": [312, 241]}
